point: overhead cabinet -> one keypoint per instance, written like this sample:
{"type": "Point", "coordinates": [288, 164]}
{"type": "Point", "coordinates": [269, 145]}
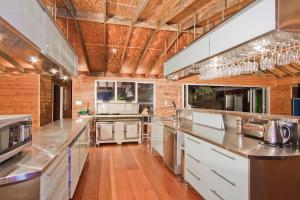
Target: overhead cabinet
{"type": "Point", "coordinates": [32, 20]}
{"type": "Point", "coordinates": [260, 18]}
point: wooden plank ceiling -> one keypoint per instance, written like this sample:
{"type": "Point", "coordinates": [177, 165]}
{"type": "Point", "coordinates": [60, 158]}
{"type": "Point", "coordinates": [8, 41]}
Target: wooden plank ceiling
{"type": "Point", "coordinates": [135, 37]}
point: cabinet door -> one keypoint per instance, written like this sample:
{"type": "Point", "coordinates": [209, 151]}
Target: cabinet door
{"type": "Point", "coordinates": [75, 165]}
{"type": "Point", "coordinates": [157, 133]}
{"type": "Point", "coordinates": [105, 131]}
{"type": "Point", "coordinates": [132, 130]}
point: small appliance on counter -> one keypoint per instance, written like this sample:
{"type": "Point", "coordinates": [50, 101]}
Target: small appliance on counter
{"type": "Point", "coordinates": [281, 133]}
{"type": "Point", "coordinates": [15, 134]}
{"type": "Point", "coordinates": [255, 128]}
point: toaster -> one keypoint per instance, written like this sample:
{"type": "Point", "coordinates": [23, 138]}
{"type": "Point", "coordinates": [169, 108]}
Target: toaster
{"type": "Point", "coordinates": [255, 128]}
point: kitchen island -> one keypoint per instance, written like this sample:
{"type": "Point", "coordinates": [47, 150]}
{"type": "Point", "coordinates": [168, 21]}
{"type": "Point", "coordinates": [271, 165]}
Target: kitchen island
{"type": "Point", "coordinates": [35, 172]}
{"type": "Point", "coordinates": [222, 164]}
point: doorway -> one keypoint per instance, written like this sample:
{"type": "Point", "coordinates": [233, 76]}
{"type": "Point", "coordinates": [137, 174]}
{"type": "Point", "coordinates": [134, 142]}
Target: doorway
{"type": "Point", "coordinates": [56, 102]}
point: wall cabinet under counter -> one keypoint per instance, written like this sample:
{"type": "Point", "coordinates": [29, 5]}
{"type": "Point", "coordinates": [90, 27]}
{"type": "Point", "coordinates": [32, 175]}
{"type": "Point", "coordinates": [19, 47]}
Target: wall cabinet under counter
{"type": "Point", "coordinates": [215, 173]}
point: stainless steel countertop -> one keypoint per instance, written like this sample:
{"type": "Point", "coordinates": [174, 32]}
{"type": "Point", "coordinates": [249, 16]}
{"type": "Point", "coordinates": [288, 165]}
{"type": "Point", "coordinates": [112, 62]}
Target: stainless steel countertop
{"type": "Point", "coordinates": [48, 143]}
{"type": "Point", "coordinates": [232, 141]}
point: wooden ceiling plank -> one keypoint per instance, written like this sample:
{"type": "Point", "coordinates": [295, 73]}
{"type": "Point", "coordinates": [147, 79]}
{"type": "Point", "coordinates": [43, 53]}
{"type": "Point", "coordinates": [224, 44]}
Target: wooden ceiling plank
{"type": "Point", "coordinates": [138, 12]}
{"type": "Point", "coordinates": [143, 54]}
{"type": "Point", "coordinates": [127, 40]}
{"type": "Point", "coordinates": [159, 58]}
{"type": "Point", "coordinates": [72, 10]}
{"type": "Point", "coordinates": [11, 61]}
{"type": "Point", "coordinates": [295, 66]}
{"type": "Point", "coordinates": [283, 69]}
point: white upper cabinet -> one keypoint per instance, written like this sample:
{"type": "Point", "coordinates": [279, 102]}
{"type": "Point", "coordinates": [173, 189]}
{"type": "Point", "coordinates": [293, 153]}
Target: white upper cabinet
{"type": "Point", "coordinates": [25, 16]}
{"type": "Point", "coordinates": [33, 22]}
{"type": "Point", "coordinates": [256, 20]}
{"type": "Point", "coordinates": [196, 51]}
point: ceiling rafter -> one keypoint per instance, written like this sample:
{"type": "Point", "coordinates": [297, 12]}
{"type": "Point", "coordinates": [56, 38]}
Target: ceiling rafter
{"type": "Point", "coordinates": [138, 12]}
{"type": "Point", "coordinates": [160, 57]}
{"type": "Point", "coordinates": [127, 40]}
{"type": "Point", "coordinates": [286, 71]}
{"type": "Point", "coordinates": [143, 54]}
{"type": "Point", "coordinates": [181, 9]}
{"type": "Point", "coordinates": [12, 61]}
{"type": "Point", "coordinates": [116, 20]}
{"type": "Point", "coordinates": [72, 10]}
{"type": "Point", "coordinates": [227, 12]}
{"type": "Point", "coordinates": [105, 34]}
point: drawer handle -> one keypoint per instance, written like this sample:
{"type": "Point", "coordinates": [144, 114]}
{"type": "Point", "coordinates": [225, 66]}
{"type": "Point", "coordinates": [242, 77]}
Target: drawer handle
{"type": "Point", "coordinates": [223, 154]}
{"type": "Point", "coordinates": [189, 155]}
{"type": "Point", "coordinates": [193, 140]}
{"type": "Point", "coordinates": [217, 195]}
{"type": "Point", "coordinates": [194, 175]}
{"type": "Point", "coordinates": [225, 179]}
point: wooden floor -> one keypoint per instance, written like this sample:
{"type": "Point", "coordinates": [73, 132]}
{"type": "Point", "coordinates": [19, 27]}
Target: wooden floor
{"type": "Point", "coordinates": [126, 172]}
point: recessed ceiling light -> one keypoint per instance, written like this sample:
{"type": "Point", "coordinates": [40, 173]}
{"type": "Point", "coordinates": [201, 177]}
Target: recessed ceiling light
{"type": "Point", "coordinates": [114, 50]}
{"type": "Point", "coordinates": [53, 71]}
{"type": "Point", "coordinates": [33, 59]}
{"type": "Point", "coordinates": [65, 78]}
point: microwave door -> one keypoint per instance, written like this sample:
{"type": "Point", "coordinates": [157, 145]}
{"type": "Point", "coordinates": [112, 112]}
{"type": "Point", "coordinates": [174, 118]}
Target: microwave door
{"type": "Point", "coordinates": [4, 139]}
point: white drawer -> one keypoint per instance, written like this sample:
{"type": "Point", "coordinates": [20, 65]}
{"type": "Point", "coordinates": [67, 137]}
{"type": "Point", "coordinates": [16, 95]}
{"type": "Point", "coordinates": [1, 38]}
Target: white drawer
{"type": "Point", "coordinates": [194, 165]}
{"type": "Point", "coordinates": [193, 146]}
{"type": "Point", "coordinates": [232, 167]}
{"type": "Point", "coordinates": [222, 189]}
{"type": "Point", "coordinates": [197, 182]}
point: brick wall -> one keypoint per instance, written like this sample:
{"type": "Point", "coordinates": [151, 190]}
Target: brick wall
{"type": "Point", "coordinates": [19, 94]}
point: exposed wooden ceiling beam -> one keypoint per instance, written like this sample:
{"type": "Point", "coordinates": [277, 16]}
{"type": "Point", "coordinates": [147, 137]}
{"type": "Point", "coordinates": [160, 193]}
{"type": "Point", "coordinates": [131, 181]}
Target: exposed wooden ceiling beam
{"type": "Point", "coordinates": [284, 70]}
{"type": "Point", "coordinates": [202, 18]}
{"type": "Point", "coordinates": [127, 40]}
{"type": "Point", "coordinates": [99, 17]}
{"type": "Point", "coordinates": [11, 61]}
{"type": "Point", "coordinates": [72, 10]}
{"type": "Point", "coordinates": [295, 66]}
{"type": "Point", "coordinates": [143, 54]}
{"type": "Point", "coordinates": [184, 10]}
{"type": "Point", "coordinates": [138, 12]}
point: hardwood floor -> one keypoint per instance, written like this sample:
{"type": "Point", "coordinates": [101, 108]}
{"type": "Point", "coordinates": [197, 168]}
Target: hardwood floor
{"type": "Point", "coordinates": [129, 172]}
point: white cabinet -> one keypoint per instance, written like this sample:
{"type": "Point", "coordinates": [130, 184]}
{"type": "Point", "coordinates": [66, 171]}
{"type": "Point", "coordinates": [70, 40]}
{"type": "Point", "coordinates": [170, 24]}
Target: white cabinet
{"type": "Point", "coordinates": [215, 172]}
{"type": "Point", "coordinates": [157, 135]}
{"type": "Point", "coordinates": [105, 132]}
{"type": "Point", "coordinates": [78, 152]}
{"type": "Point", "coordinates": [54, 181]}
{"type": "Point", "coordinates": [132, 130]}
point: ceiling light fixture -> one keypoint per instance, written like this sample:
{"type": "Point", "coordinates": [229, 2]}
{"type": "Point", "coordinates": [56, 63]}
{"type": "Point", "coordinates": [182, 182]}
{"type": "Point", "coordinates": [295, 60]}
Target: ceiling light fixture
{"type": "Point", "coordinates": [114, 51]}
{"type": "Point", "coordinates": [54, 71]}
{"type": "Point", "coordinates": [33, 59]}
{"type": "Point", "coordinates": [65, 78]}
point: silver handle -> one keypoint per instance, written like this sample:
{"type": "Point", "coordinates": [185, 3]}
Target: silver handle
{"type": "Point", "coordinates": [198, 161]}
{"type": "Point", "coordinates": [216, 194]}
{"type": "Point", "coordinates": [225, 179]}
{"type": "Point", "coordinates": [194, 175]}
{"type": "Point", "coordinates": [193, 140]}
{"type": "Point", "coordinates": [223, 154]}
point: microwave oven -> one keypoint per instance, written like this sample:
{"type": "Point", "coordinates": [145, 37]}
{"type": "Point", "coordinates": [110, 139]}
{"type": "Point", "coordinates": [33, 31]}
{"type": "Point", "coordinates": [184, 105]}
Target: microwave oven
{"type": "Point", "coordinates": [15, 134]}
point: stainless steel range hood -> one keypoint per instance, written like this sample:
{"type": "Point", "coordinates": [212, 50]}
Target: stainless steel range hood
{"type": "Point", "coordinates": [29, 34]}
{"type": "Point", "coordinates": [260, 19]}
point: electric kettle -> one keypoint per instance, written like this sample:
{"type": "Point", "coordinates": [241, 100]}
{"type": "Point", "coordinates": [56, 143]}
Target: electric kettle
{"type": "Point", "coordinates": [277, 133]}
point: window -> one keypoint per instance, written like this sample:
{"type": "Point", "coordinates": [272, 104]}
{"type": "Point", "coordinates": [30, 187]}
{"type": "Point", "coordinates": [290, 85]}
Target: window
{"type": "Point", "coordinates": [105, 91]}
{"type": "Point", "coordinates": [243, 99]}
{"type": "Point", "coordinates": [126, 91]}
{"type": "Point", "coordinates": [146, 97]}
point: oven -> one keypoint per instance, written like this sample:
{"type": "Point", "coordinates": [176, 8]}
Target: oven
{"type": "Point", "coordinates": [15, 134]}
